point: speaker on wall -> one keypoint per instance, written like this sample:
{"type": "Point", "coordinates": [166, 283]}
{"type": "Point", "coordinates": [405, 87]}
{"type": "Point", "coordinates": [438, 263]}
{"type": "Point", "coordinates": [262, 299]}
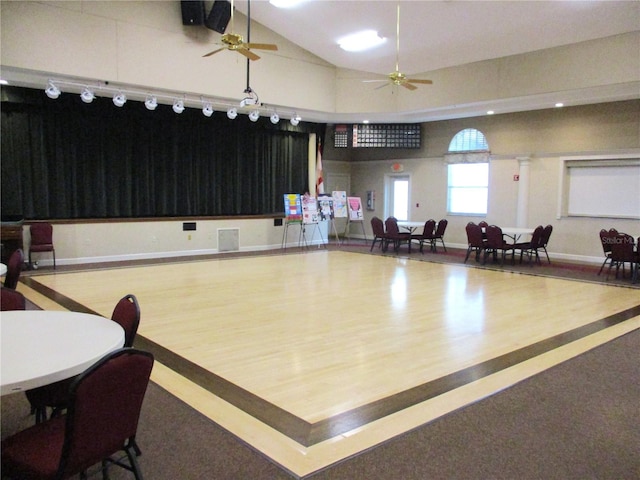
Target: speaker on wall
{"type": "Point", "coordinates": [192, 12]}
{"type": "Point", "coordinates": [219, 16]}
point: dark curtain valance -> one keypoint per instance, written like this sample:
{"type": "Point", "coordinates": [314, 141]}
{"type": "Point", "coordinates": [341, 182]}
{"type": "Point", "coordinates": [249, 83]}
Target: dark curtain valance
{"type": "Point", "coordinates": [63, 159]}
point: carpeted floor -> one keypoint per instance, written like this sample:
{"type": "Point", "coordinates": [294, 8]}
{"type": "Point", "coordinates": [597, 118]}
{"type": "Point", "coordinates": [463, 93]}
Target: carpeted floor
{"type": "Point", "coordinates": [578, 420]}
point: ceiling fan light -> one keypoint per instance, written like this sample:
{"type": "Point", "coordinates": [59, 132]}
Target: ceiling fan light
{"type": "Point", "coordinates": [360, 41]}
{"type": "Point", "coordinates": [275, 118]}
{"type": "Point", "coordinates": [151, 102]}
{"type": "Point", "coordinates": [87, 96]}
{"type": "Point", "coordinates": [52, 91]}
{"type": "Point", "coordinates": [295, 120]}
{"type": "Point", "coordinates": [207, 110]}
{"type": "Point", "coordinates": [119, 99]}
{"type": "Point", "coordinates": [254, 115]}
{"type": "Point", "coordinates": [232, 113]}
{"type": "Point", "coordinates": [178, 106]}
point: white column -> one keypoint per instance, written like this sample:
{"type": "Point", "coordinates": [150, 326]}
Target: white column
{"type": "Point", "coordinates": [522, 213]}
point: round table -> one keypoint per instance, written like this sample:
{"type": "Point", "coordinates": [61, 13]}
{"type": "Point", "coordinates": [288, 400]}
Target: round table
{"type": "Point", "coordinates": [39, 347]}
{"type": "Point", "coordinates": [3, 269]}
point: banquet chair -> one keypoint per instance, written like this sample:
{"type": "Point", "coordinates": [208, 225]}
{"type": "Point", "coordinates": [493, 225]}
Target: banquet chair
{"type": "Point", "coordinates": [11, 299]}
{"type": "Point", "coordinates": [14, 268]}
{"type": "Point", "coordinates": [54, 395]}
{"type": "Point", "coordinates": [42, 240]}
{"type": "Point", "coordinates": [531, 247]}
{"type": "Point", "coordinates": [546, 235]}
{"type": "Point", "coordinates": [394, 235]}
{"type": "Point", "coordinates": [439, 235]}
{"type": "Point", "coordinates": [377, 226]}
{"type": "Point", "coordinates": [475, 240]}
{"type": "Point", "coordinates": [605, 240]}
{"type": "Point", "coordinates": [495, 243]}
{"type": "Point", "coordinates": [427, 235]}
{"type": "Point", "coordinates": [622, 252]}
{"type": "Point", "coordinates": [101, 420]}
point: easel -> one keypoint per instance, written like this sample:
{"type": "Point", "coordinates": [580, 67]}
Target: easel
{"type": "Point", "coordinates": [316, 226]}
{"type": "Point", "coordinates": [301, 236]}
{"type": "Point", "coordinates": [347, 228]}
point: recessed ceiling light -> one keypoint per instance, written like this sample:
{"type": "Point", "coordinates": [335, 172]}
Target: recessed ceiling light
{"type": "Point", "coordinates": [365, 121]}
{"type": "Point", "coordinates": [358, 42]}
{"type": "Point", "coordinates": [490, 112]}
{"type": "Point", "coordinates": [559, 104]}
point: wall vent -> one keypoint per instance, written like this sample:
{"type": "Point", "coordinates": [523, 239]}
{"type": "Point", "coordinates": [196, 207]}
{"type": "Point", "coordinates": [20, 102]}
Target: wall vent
{"type": "Point", "coordinates": [228, 239]}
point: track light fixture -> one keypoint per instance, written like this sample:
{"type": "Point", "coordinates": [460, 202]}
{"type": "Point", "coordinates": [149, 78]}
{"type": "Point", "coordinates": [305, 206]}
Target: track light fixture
{"type": "Point", "coordinates": [119, 99]}
{"type": "Point", "coordinates": [274, 118]}
{"type": "Point", "coordinates": [87, 95]}
{"type": "Point", "coordinates": [151, 102]}
{"type": "Point", "coordinates": [178, 106]}
{"type": "Point", "coordinates": [52, 91]}
{"type": "Point", "coordinates": [254, 115]}
{"type": "Point", "coordinates": [295, 120]}
{"type": "Point", "coordinates": [207, 109]}
{"type": "Point", "coordinates": [232, 113]}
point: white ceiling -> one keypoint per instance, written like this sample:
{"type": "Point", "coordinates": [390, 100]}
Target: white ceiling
{"type": "Point", "coordinates": [436, 34]}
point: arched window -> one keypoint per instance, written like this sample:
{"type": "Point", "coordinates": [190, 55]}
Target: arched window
{"type": "Point", "coordinates": [468, 173]}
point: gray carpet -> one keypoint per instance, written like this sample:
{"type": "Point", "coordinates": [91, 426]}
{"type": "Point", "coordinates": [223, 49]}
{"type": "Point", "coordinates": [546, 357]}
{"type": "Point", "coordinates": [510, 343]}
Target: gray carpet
{"type": "Point", "coordinates": [578, 420]}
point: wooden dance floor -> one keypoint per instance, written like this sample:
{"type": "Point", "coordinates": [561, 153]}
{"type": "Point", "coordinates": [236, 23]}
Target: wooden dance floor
{"type": "Point", "coordinates": [313, 357]}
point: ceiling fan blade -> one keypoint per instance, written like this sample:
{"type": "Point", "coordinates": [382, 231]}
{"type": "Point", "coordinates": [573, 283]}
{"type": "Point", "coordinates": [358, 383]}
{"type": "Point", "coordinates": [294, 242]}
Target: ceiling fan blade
{"type": "Point", "coordinates": [415, 80]}
{"type": "Point", "coordinates": [386, 84]}
{"type": "Point", "coordinates": [373, 81]}
{"type": "Point", "coordinates": [262, 46]}
{"type": "Point", "coordinates": [247, 53]}
{"type": "Point", "coordinates": [408, 86]}
{"type": "Point", "coordinates": [215, 51]}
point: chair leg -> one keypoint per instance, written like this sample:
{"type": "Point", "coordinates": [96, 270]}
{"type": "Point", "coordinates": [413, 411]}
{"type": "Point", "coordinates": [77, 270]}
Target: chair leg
{"type": "Point", "coordinates": [608, 259]}
{"type": "Point", "coordinates": [468, 253]}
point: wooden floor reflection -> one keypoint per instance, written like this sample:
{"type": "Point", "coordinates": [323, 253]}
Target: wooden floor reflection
{"type": "Point", "coordinates": [315, 356]}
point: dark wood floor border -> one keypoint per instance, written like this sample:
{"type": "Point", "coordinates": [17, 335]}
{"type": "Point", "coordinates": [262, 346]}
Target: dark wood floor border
{"type": "Point", "coordinates": [308, 434]}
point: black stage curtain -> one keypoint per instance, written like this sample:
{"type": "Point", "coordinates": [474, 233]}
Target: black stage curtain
{"type": "Point", "coordinates": [63, 159]}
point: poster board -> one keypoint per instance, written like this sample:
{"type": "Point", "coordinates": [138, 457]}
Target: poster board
{"type": "Point", "coordinates": [325, 206]}
{"type": "Point", "coordinates": [310, 213]}
{"type": "Point", "coordinates": [355, 209]}
{"type": "Point", "coordinates": [293, 207]}
{"type": "Point", "coordinates": [339, 204]}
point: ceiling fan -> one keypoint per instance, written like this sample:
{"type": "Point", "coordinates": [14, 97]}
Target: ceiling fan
{"type": "Point", "coordinates": [397, 77]}
{"type": "Point", "coordinates": [235, 42]}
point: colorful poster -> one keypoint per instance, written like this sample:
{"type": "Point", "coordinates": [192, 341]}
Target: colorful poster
{"type": "Point", "coordinates": [339, 204]}
{"type": "Point", "coordinates": [355, 208]}
{"type": "Point", "coordinates": [325, 205]}
{"type": "Point", "coordinates": [310, 212]}
{"type": "Point", "coordinates": [292, 207]}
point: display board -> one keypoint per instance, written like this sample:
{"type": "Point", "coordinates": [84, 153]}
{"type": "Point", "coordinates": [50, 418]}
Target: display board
{"type": "Point", "coordinates": [355, 209]}
{"type": "Point", "coordinates": [293, 207]}
{"type": "Point", "coordinates": [310, 213]}
{"type": "Point", "coordinates": [339, 204]}
{"type": "Point", "coordinates": [325, 206]}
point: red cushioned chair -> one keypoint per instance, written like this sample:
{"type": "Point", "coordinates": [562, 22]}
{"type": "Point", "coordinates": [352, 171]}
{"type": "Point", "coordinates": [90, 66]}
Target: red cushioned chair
{"type": "Point", "coordinates": [394, 235]}
{"type": "Point", "coordinates": [439, 235]}
{"type": "Point", "coordinates": [14, 269]}
{"type": "Point", "coordinates": [42, 240]}
{"type": "Point", "coordinates": [11, 300]}
{"type": "Point", "coordinates": [495, 243]}
{"type": "Point", "coordinates": [379, 235]}
{"type": "Point", "coordinates": [101, 420]}
{"type": "Point", "coordinates": [427, 235]}
{"type": "Point", "coordinates": [54, 395]}
{"type": "Point", "coordinates": [475, 240]}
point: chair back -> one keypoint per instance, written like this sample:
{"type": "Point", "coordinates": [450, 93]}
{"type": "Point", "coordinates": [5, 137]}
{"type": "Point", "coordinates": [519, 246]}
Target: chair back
{"type": "Point", "coordinates": [104, 408]}
{"type": "Point", "coordinates": [377, 227]}
{"type": "Point", "coordinates": [483, 224]}
{"type": "Point", "coordinates": [494, 237]}
{"type": "Point", "coordinates": [536, 237]}
{"type": "Point", "coordinates": [11, 300]}
{"type": "Point", "coordinates": [622, 248]}
{"type": "Point", "coordinates": [41, 236]}
{"type": "Point", "coordinates": [474, 235]}
{"type": "Point", "coordinates": [127, 315]}
{"type": "Point", "coordinates": [14, 267]}
{"type": "Point", "coordinates": [546, 235]}
{"type": "Point", "coordinates": [604, 240]}
{"type": "Point", "coordinates": [429, 228]}
{"type": "Point", "coordinates": [391, 225]}
{"type": "Point", "coordinates": [442, 226]}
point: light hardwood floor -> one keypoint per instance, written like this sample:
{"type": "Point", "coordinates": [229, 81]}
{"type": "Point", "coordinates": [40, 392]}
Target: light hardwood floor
{"type": "Point", "coordinates": [313, 357]}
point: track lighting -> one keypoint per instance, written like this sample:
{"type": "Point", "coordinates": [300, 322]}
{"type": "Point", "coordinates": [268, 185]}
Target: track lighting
{"type": "Point", "coordinates": [52, 91]}
{"type": "Point", "coordinates": [295, 120]}
{"type": "Point", "coordinates": [151, 102]}
{"type": "Point", "coordinates": [207, 110]}
{"type": "Point", "coordinates": [178, 106]}
{"type": "Point", "coordinates": [119, 99]}
{"type": "Point", "coordinates": [274, 118]}
{"type": "Point", "coordinates": [254, 115]}
{"type": "Point", "coordinates": [87, 95]}
{"type": "Point", "coordinates": [232, 113]}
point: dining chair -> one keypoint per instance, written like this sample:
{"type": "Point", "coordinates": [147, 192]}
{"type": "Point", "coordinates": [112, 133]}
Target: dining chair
{"type": "Point", "coordinates": [42, 240]}
{"type": "Point", "coordinates": [531, 247]}
{"type": "Point", "coordinates": [546, 235]}
{"type": "Point", "coordinates": [379, 235]}
{"type": "Point", "coordinates": [439, 234]}
{"type": "Point", "coordinates": [495, 243]}
{"type": "Point", "coordinates": [427, 235]}
{"type": "Point", "coordinates": [11, 299]}
{"type": "Point", "coordinates": [54, 395]}
{"type": "Point", "coordinates": [622, 252]}
{"type": "Point", "coordinates": [394, 235]}
{"type": "Point", "coordinates": [475, 240]}
{"type": "Point", "coordinates": [102, 419]}
{"type": "Point", "coordinates": [14, 268]}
